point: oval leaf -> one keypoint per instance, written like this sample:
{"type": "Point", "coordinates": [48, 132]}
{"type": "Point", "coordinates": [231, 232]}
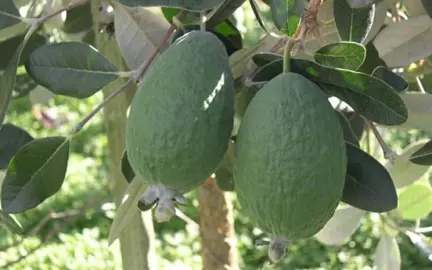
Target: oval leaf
{"type": "Point", "coordinates": [127, 209]}
{"type": "Point", "coordinates": [71, 69]}
{"type": "Point", "coordinates": [192, 5]}
{"type": "Point", "coordinates": [286, 14]}
{"type": "Point", "coordinates": [126, 168]}
{"type": "Point", "coordinates": [415, 201]}
{"type": "Point", "coordinates": [403, 43]}
{"type": "Point", "coordinates": [8, 14]}
{"type": "Point", "coordinates": [387, 254]}
{"type": "Point", "coordinates": [423, 156]}
{"type": "Point", "coordinates": [368, 185]}
{"type": "Point", "coordinates": [12, 138]}
{"type": "Point", "coordinates": [34, 174]}
{"type": "Point", "coordinates": [404, 172]}
{"type": "Point", "coordinates": [341, 226]}
{"type": "Point", "coordinates": [7, 79]}
{"type": "Point", "coordinates": [395, 81]}
{"type": "Point", "coordinates": [353, 24]}
{"type": "Point", "coordinates": [138, 33]}
{"type": "Point", "coordinates": [347, 55]}
{"type": "Point", "coordinates": [367, 95]}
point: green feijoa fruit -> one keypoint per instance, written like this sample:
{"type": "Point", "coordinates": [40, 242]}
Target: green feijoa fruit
{"type": "Point", "coordinates": [290, 160]}
{"type": "Point", "coordinates": [181, 119]}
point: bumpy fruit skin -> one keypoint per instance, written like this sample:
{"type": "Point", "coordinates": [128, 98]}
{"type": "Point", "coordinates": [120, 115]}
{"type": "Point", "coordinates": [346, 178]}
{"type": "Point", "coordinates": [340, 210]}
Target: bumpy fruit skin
{"type": "Point", "coordinates": [181, 117]}
{"type": "Point", "coordinates": [290, 158]}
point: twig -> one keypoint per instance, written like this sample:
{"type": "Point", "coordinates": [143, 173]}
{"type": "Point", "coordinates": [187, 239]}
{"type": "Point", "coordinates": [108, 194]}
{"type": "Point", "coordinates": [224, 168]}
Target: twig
{"type": "Point", "coordinates": [388, 153]}
{"type": "Point", "coordinates": [136, 77]}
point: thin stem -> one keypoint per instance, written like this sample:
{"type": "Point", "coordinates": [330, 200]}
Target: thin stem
{"type": "Point", "coordinates": [287, 56]}
{"type": "Point", "coordinates": [203, 21]}
{"type": "Point", "coordinates": [135, 77]}
{"type": "Point", "coordinates": [388, 153]}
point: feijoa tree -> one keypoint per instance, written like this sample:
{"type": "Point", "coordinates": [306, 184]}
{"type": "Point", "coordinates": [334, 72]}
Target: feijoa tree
{"type": "Point", "coordinates": [371, 59]}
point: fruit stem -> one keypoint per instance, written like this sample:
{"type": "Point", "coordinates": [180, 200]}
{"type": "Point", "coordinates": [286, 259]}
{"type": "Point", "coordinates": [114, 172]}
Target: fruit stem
{"type": "Point", "coordinates": [388, 153]}
{"type": "Point", "coordinates": [287, 56]}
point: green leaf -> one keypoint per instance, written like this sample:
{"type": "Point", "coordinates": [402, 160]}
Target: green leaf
{"type": "Point", "coordinates": [224, 12]}
{"type": "Point", "coordinates": [12, 138]}
{"type": "Point", "coordinates": [415, 201]}
{"type": "Point", "coordinates": [341, 226]}
{"type": "Point", "coordinates": [403, 43]}
{"type": "Point", "coordinates": [404, 172]}
{"type": "Point", "coordinates": [126, 168]}
{"type": "Point", "coordinates": [8, 14]}
{"type": "Point", "coordinates": [226, 40]}
{"type": "Point", "coordinates": [372, 60]}
{"type": "Point", "coordinates": [192, 5]}
{"type": "Point", "coordinates": [395, 81]}
{"type": "Point", "coordinates": [23, 85]}
{"type": "Point", "coordinates": [423, 156]}
{"type": "Point", "coordinates": [8, 78]}
{"type": "Point", "coordinates": [225, 171]}
{"type": "Point", "coordinates": [419, 113]}
{"type": "Point", "coordinates": [242, 100]}
{"type": "Point", "coordinates": [387, 254]}
{"type": "Point", "coordinates": [347, 55]}
{"type": "Point", "coordinates": [361, 3]}
{"type": "Point", "coordinates": [138, 33]}
{"type": "Point", "coordinates": [353, 24]}
{"type": "Point", "coordinates": [189, 18]}
{"type": "Point", "coordinates": [78, 19]}
{"type": "Point", "coordinates": [8, 47]}
{"type": "Point", "coordinates": [367, 95]}
{"type": "Point", "coordinates": [231, 33]}
{"type": "Point", "coordinates": [10, 223]}
{"type": "Point", "coordinates": [368, 185]}
{"type": "Point", "coordinates": [127, 209]}
{"type": "Point", "coordinates": [71, 69]}
{"type": "Point", "coordinates": [264, 58]}
{"type": "Point", "coordinates": [35, 173]}
{"type": "Point", "coordinates": [286, 14]}
{"type": "Point", "coordinates": [427, 4]}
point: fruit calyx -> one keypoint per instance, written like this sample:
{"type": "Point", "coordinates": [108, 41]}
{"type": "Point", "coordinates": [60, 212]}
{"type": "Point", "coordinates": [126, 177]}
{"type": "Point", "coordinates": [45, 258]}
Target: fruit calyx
{"type": "Point", "coordinates": [165, 199]}
{"type": "Point", "coordinates": [277, 249]}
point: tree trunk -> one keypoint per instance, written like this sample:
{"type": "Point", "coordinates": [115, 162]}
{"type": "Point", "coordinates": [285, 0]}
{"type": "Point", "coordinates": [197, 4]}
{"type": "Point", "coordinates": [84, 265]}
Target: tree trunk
{"type": "Point", "coordinates": [136, 241]}
{"type": "Point", "coordinates": [219, 249]}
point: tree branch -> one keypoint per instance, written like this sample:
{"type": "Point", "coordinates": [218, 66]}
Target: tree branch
{"type": "Point", "coordinates": [135, 77]}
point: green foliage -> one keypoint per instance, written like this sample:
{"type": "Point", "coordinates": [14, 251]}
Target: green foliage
{"type": "Point", "coordinates": [353, 24]}
{"type": "Point", "coordinates": [78, 75]}
{"type": "Point", "coordinates": [376, 69]}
